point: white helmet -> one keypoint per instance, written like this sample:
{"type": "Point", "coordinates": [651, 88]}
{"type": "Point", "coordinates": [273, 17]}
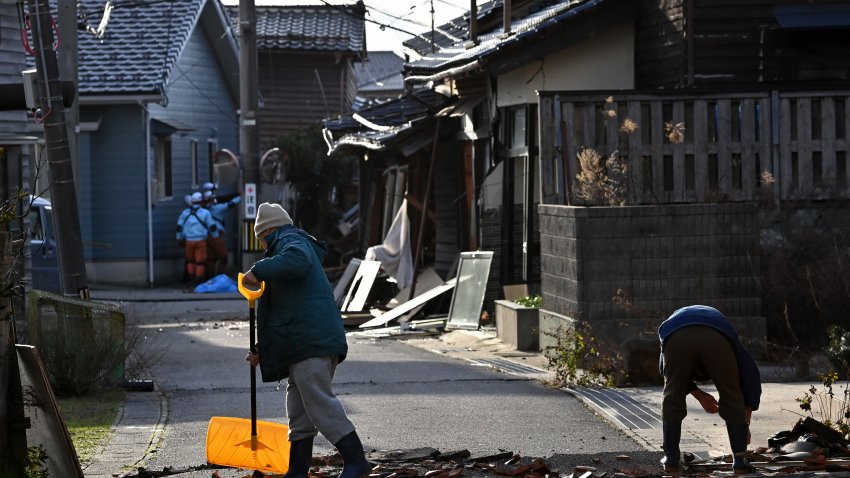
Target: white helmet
{"type": "Point", "coordinates": [208, 195]}
{"type": "Point", "coordinates": [197, 198]}
{"type": "Point", "coordinates": [187, 199]}
{"type": "Point", "coordinates": [209, 187]}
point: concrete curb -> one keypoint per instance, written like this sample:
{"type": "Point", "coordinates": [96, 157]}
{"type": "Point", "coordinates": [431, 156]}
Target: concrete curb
{"type": "Point", "coordinates": [136, 433]}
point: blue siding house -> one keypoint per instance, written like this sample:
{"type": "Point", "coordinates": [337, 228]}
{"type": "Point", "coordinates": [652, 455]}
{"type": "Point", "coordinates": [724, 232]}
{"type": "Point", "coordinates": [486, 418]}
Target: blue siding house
{"type": "Point", "coordinates": [158, 97]}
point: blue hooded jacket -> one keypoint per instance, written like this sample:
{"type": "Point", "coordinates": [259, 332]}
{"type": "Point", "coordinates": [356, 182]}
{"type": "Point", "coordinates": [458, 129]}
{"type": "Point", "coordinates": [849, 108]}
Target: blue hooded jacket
{"type": "Point", "coordinates": [297, 317]}
{"type": "Point", "coordinates": [748, 371]}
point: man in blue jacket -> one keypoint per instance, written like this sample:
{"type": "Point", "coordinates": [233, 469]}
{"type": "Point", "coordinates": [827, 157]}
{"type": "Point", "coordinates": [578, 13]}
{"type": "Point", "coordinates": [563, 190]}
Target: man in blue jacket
{"type": "Point", "coordinates": [300, 337]}
{"type": "Point", "coordinates": [699, 343]}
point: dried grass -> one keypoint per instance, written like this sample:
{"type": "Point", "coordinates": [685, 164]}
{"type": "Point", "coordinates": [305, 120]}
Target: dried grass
{"type": "Point", "coordinates": [601, 181]}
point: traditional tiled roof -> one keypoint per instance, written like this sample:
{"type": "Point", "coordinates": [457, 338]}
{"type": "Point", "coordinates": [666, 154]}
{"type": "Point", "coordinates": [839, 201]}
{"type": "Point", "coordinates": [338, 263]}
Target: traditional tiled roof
{"type": "Point", "coordinates": [385, 124]}
{"type": "Point", "coordinates": [454, 52]}
{"type": "Point", "coordinates": [142, 42]}
{"type": "Point", "coordinates": [379, 72]}
{"type": "Point", "coordinates": [337, 28]}
{"type": "Point", "coordinates": [450, 33]}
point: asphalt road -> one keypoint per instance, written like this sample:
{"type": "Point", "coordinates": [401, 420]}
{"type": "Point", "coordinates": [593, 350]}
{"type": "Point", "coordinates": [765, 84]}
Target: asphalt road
{"type": "Point", "coordinates": [399, 396]}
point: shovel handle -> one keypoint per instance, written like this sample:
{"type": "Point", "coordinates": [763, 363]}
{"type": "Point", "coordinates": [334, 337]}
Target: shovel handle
{"type": "Point", "coordinates": [250, 294]}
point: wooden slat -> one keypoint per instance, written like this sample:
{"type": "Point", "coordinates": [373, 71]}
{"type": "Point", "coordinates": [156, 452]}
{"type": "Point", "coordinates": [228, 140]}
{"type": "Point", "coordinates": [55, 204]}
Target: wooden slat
{"type": "Point", "coordinates": [550, 141]}
{"type": "Point", "coordinates": [724, 139]}
{"type": "Point", "coordinates": [765, 146]}
{"type": "Point", "coordinates": [700, 151]}
{"type": "Point", "coordinates": [785, 171]}
{"type": "Point", "coordinates": [828, 143]}
{"type": "Point", "coordinates": [612, 127]}
{"type": "Point", "coordinates": [657, 125]}
{"type": "Point", "coordinates": [635, 162]}
{"type": "Point", "coordinates": [804, 146]}
{"type": "Point", "coordinates": [748, 149]}
{"type": "Point", "coordinates": [588, 118]}
{"type": "Point", "coordinates": [570, 170]}
{"type": "Point", "coordinates": [679, 155]}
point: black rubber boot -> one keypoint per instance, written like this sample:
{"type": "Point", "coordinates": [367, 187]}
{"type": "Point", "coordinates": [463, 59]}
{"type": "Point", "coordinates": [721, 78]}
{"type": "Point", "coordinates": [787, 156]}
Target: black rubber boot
{"type": "Point", "coordinates": [738, 442]}
{"type": "Point", "coordinates": [300, 458]}
{"type": "Point", "coordinates": [354, 458]}
{"type": "Point", "coordinates": [672, 435]}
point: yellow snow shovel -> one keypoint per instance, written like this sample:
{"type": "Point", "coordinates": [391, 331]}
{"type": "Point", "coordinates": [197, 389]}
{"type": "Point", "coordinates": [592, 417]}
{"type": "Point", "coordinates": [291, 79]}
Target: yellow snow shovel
{"type": "Point", "coordinates": [243, 443]}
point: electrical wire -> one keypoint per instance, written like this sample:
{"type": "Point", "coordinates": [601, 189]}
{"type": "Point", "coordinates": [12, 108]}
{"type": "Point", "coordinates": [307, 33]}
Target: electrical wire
{"type": "Point", "coordinates": [382, 25]}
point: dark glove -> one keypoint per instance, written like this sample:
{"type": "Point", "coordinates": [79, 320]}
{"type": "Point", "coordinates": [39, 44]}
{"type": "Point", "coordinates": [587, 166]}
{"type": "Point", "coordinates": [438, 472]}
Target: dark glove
{"type": "Point", "coordinates": [181, 242]}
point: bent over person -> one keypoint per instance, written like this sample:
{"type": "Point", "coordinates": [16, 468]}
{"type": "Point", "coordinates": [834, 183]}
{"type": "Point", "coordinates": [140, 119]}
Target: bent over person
{"type": "Point", "coordinates": [300, 338]}
{"type": "Point", "coordinates": [698, 343]}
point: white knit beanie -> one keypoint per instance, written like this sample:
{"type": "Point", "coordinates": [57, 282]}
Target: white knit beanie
{"type": "Point", "coordinates": [270, 215]}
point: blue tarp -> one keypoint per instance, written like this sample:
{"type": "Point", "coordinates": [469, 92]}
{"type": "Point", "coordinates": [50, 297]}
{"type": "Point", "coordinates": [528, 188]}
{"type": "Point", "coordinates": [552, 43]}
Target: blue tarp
{"type": "Point", "coordinates": [219, 283]}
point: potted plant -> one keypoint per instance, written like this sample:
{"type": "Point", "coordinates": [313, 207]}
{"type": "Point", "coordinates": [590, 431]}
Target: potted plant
{"type": "Point", "coordinates": [517, 322]}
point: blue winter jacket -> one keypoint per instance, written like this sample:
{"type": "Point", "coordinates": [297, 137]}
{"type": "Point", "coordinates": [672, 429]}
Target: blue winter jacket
{"type": "Point", "coordinates": [748, 371]}
{"type": "Point", "coordinates": [297, 317]}
{"type": "Point", "coordinates": [195, 223]}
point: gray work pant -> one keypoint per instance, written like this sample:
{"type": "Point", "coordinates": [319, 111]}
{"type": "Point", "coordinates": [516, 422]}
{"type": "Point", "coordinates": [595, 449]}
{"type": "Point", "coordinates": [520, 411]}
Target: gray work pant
{"type": "Point", "coordinates": [700, 347]}
{"type": "Point", "coordinates": [311, 404]}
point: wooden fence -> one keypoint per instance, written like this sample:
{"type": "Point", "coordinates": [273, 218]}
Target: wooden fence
{"type": "Point", "coordinates": [726, 147]}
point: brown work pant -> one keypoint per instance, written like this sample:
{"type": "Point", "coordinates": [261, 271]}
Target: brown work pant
{"type": "Point", "coordinates": [216, 255]}
{"type": "Point", "coordinates": [698, 347]}
{"type": "Point", "coordinates": [196, 258]}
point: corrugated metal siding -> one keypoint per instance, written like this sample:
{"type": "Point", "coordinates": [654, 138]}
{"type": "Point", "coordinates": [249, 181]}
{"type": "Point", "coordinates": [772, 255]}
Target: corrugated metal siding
{"type": "Point", "coordinates": [11, 64]}
{"type": "Point", "coordinates": [660, 44]}
{"type": "Point", "coordinates": [292, 95]}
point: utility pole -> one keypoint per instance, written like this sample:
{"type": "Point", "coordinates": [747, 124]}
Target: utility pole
{"type": "Point", "coordinates": [67, 23]}
{"type": "Point", "coordinates": [63, 192]}
{"type": "Point", "coordinates": [249, 143]}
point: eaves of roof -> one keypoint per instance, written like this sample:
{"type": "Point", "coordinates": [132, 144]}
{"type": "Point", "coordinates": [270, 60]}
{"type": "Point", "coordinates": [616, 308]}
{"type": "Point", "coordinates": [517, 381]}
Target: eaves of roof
{"type": "Point", "coordinates": [458, 59]}
{"type": "Point", "coordinates": [384, 125]}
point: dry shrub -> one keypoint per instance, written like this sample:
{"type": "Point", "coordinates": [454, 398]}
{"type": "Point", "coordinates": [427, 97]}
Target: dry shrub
{"type": "Point", "coordinates": [806, 289]}
{"type": "Point", "coordinates": [89, 354]}
{"type": "Point", "coordinates": [675, 132]}
{"type": "Point", "coordinates": [628, 126]}
{"type": "Point", "coordinates": [601, 181]}
{"type": "Point", "coordinates": [580, 359]}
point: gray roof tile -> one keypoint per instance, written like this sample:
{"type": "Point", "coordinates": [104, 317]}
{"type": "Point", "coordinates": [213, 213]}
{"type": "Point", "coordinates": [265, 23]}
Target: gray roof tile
{"type": "Point", "coordinates": [141, 44]}
{"type": "Point", "coordinates": [312, 28]}
{"type": "Point", "coordinates": [381, 71]}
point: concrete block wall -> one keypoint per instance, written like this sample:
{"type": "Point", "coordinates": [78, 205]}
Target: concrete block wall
{"type": "Point", "coordinates": [662, 257]}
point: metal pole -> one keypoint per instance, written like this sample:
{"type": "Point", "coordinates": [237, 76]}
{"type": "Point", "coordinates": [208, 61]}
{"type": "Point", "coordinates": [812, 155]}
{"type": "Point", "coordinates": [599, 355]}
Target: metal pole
{"type": "Point", "coordinates": [63, 193]}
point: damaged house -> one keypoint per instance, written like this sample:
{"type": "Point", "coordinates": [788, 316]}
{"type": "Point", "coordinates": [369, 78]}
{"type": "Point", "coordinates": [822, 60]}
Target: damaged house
{"type": "Point", "coordinates": [709, 113]}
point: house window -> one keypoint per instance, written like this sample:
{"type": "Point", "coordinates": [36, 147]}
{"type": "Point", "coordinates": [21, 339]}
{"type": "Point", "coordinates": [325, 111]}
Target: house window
{"type": "Point", "coordinates": [212, 147]}
{"type": "Point", "coordinates": [196, 167]}
{"type": "Point", "coordinates": [163, 167]}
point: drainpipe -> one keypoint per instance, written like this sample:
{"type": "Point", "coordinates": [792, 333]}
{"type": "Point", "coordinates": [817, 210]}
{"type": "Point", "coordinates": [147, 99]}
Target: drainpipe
{"type": "Point", "coordinates": [149, 185]}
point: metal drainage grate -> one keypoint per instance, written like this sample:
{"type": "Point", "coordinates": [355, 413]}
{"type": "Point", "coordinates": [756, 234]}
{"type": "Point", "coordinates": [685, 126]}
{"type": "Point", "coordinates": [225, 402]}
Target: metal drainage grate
{"type": "Point", "coordinates": [622, 408]}
{"type": "Point", "coordinates": [508, 366]}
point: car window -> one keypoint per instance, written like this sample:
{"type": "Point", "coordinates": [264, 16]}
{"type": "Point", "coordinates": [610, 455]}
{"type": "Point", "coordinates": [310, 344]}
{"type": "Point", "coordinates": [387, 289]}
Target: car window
{"type": "Point", "coordinates": [36, 227]}
{"type": "Point", "coordinates": [48, 228]}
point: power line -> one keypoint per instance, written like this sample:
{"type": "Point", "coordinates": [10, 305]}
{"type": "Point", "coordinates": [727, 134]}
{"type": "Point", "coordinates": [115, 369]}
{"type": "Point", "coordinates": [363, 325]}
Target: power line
{"type": "Point", "coordinates": [382, 25]}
